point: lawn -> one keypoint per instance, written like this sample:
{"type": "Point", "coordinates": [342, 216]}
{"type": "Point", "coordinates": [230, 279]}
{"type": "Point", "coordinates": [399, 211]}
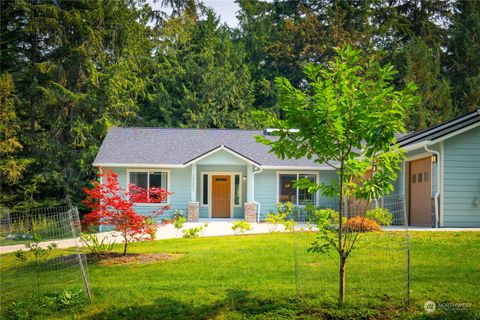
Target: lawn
{"type": "Point", "coordinates": [253, 277]}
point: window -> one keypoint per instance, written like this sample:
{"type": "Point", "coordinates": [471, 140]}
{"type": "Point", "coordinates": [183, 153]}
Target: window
{"type": "Point", "coordinates": [287, 192]}
{"type": "Point", "coordinates": [149, 179]}
{"type": "Point", "coordinates": [205, 189]}
{"type": "Point", "coordinates": [237, 190]}
{"type": "Point", "coordinates": [304, 196]}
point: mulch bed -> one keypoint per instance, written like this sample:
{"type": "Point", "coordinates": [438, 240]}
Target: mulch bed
{"type": "Point", "coordinates": [117, 258]}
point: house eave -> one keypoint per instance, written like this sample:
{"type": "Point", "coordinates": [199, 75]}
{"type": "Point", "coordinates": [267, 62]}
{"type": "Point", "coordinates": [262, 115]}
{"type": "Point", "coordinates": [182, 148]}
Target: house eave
{"type": "Point", "coordinates": [298, 168]}
{"type": "Point", "coordinates": [136, 165]}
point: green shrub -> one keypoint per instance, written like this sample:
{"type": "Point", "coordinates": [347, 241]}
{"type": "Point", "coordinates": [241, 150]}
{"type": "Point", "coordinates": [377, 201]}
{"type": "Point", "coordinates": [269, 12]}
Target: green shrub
{"type": "Point", "coordinates": [241, 227]}
{"type": "Point", "coordinates": [40, 255]}
{"type": "Point", "coordinates": [177, 214]}
{"type": "Point", "coordinates": [178, 223]}
{"type": "Point", "coordinates": [327, 219]}
{"type": "Point", "coordinates": [382, 216]}
{"type": "Point", "coordinates": [97, 247]}
{"type": "Point", "coordinates": [289, 225]}
{"type": "Point", "coordinates": [283, 211]}
{"type": "Point", "coordinates": [43, 306]}
{"type": "Point", "coordinates": [192, 232]}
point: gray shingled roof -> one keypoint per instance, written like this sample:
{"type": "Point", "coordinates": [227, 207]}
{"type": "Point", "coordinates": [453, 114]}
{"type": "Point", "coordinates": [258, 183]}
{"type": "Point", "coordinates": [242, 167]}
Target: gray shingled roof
{"type": "Point", "coordinates": [158, 146]}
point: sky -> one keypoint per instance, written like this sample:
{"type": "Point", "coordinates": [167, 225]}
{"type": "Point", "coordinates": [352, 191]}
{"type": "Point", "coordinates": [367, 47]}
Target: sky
{"type": "Point", "coordinates": [226, 9]}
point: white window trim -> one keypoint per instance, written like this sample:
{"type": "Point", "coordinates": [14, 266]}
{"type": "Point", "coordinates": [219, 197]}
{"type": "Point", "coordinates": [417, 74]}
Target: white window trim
{"type": "Point", "coordinates": [232, 190]}
{"type": "Point", "coordinates": [298, 173]}
{"type": "Point", "coordinates": [169, 178]}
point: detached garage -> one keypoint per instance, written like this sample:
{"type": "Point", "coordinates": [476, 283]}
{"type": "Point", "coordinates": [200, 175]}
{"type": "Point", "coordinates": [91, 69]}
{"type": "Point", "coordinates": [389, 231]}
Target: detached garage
{"type": "Point", "coordinates": [441, 175]}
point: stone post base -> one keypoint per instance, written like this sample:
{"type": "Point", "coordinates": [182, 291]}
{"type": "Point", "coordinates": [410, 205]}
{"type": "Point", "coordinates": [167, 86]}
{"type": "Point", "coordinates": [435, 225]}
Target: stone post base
{"type": "Point", "coordinates": [250, 212]}
{"type": "Point", "coordinates": [193, 211]}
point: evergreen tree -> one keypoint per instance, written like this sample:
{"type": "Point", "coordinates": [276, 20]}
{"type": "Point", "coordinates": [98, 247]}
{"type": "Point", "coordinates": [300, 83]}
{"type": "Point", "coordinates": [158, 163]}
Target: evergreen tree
{"type": "Point", "coordinates": [200, 78]}
{"type": "Point", "coordinates": [422, 65]}
{"type": "Point", "coordinates": [465, 55]}
{"type": "Point", "coordinates": [77, 69]}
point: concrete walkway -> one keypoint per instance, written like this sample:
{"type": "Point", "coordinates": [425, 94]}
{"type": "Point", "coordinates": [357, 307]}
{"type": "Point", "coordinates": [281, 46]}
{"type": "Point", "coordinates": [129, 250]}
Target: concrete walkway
{"type": "Point", "coordinates": [217, 227]}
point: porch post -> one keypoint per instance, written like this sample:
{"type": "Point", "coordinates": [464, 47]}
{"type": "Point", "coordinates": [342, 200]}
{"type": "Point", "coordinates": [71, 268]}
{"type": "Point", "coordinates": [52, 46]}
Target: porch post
{"type": "Point", "coordinates": [250, 210]}
{"type": "Point", "coordinates": [249, 183]}
{"type": "Point", "coordinates": [193, 188]}
{"type": "Point", "coordinates": [193, 206]}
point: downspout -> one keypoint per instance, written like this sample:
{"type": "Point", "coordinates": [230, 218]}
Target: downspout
{"type": "Point", "coordinates": [253, 192]}
{"type": "Point", "coordinates": [437, 193]}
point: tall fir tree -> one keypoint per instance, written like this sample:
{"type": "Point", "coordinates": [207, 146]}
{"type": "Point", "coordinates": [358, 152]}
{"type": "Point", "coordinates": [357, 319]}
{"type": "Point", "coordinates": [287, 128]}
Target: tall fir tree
{"type": "Point", "coordinates": [77, 69]}
{"type": "Point", "coordinates": [464, 49]}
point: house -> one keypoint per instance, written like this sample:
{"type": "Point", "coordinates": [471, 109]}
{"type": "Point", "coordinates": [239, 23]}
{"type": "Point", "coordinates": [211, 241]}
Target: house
{"type": "Point", "coordinates": [441, 175]}
{"type": "Point", "coordinates": [222, 173]}
{"type": "Point", "coordinates": [213, 173]}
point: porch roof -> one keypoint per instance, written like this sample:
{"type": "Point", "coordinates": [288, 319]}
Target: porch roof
{"type": "Point", "coordinates": [180, 147]}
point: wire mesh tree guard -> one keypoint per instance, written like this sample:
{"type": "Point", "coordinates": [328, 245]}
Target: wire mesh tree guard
{"type": "Point", "coordinates": [53, 272]}
{"type": "Point", "coordinates": [378, 267]}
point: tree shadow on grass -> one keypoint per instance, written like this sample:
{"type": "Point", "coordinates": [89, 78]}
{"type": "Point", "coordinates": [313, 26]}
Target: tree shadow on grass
{"type": "Point", "coordinates": [238, 304]}
{"type": "Point", "coordinates": [241, 304]}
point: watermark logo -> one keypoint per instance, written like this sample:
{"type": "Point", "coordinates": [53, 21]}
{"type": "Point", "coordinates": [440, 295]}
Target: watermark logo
{"type": "Point", "coordinates": [429, 306]}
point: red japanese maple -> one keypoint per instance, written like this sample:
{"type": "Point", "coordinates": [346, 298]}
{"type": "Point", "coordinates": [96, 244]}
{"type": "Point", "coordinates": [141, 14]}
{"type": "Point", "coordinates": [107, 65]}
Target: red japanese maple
{"type": "Point", "coordinates": [111, 205]}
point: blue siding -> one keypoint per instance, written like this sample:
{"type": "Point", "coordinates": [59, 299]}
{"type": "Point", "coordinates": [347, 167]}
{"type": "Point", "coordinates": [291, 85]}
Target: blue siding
{"type": "Point", "coordinates": [222, 157]}
{"type": "Point", "coordinates": [327, 177]}
{"type": "Point", "coordinates": [266, 188]}
{"type": "Point", "coordinates": [179, 185]}
{"type": "Point", "coordinates": [462, 179]}
{"type": "Point", "coordinates": [265, 191]}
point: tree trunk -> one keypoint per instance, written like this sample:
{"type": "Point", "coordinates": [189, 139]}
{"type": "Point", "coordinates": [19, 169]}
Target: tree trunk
{"type": "Point", "coordinates": [125, 240]}
{"type": "Point", "coordinates": [341, 291]}
{"type": "Point", "coordinates": [341, 298]}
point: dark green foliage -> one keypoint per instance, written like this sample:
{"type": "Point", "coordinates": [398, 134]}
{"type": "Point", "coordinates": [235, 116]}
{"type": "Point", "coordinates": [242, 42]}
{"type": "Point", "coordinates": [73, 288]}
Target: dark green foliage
{"type": "Point", "coordinates": [465, 56]}
{"type": "Point", "coordinates": [199, 78]}
{"type": "Point", "coordinates": [46, 304]}
{"type": "Point", "coordinates": [76, 69]}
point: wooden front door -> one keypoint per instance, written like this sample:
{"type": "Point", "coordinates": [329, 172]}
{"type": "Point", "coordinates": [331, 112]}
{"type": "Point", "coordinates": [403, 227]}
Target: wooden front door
{"type": "Point", "coordinates": [221, 196]}
{"type": "Point", "coordinates": [420, 203]}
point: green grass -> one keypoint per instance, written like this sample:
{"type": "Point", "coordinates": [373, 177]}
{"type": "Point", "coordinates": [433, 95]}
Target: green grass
{"type": "Point", "coordinates": [253, 277]}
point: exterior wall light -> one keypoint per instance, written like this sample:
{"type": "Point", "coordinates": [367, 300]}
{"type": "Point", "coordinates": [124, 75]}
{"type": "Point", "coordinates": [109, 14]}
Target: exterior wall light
{"type": "Point", "coordinates": [434, 158]}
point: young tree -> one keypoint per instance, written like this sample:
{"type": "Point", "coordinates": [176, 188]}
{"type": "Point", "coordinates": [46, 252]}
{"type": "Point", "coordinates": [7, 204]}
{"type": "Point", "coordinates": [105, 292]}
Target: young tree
{"type": "Point", "coordinates": [111, 205]}
{"type": "Point", "coordinates": [347, 118]}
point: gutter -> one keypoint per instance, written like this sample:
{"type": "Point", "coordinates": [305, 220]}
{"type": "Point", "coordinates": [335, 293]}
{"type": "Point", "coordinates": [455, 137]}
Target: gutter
{"type": "Point", "coordinates": [437, 193]}
{"type": "Point", "coordinates": [253, 192]}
